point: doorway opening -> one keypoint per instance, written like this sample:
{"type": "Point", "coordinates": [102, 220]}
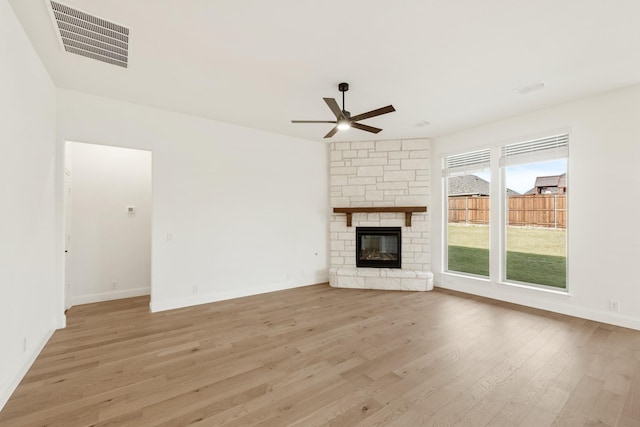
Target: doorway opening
{"type": "Point", "coordinates": [108, 207]}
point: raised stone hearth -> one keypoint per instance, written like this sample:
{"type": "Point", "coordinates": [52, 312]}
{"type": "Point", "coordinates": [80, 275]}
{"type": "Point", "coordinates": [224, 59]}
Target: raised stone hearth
{"type": "Point", "coordinates": [381, 278]}
{"type": "Point", "coordinates": [381, 174]}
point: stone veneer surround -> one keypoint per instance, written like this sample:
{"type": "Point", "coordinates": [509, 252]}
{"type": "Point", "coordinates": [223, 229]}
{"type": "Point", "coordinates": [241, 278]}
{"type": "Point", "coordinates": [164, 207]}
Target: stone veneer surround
{"type": "Point", "coordinates": [381, 174]}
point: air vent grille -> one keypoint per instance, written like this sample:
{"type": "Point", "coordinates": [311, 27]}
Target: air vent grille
{"type": "Point", "coordinates": [90, 36]}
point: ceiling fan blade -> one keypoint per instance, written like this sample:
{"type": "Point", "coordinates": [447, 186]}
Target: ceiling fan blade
{"type": "Point", "coordinates": [332, 132]}
{"type": "Point", "coordinates": [373, 113]}
{"type": "Point", "coordinates": [312, 121]}
{"type": "Point", "coordinates": [335, 108]}
{"type": "Point", "coordinates": [365, 127]}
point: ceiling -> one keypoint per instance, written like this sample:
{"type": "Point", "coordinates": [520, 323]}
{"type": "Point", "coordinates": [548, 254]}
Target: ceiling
{"type": "Point", "coordinates": [257, 63]}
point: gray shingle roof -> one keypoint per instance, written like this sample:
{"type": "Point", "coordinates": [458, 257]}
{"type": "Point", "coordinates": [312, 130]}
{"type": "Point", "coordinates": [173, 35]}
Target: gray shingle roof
{"type": "Point", "coordinates": [471, 185]}
{"type": "Point", "coordinates": [547, 181]}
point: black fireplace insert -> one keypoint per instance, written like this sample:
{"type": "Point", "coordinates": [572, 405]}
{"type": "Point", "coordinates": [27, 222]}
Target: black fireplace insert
{"type": "Point", "coordinates": [378, 247]}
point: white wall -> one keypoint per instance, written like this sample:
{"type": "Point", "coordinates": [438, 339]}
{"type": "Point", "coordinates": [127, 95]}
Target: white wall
{"type": "Point", "coordinates": [236, 211]}
{"type": "Point", "coordinates": [27, 190]}
{"type": "Point", "coordinates": [603, 235]}
{"type": "Point", "coordinates": [110, 249]}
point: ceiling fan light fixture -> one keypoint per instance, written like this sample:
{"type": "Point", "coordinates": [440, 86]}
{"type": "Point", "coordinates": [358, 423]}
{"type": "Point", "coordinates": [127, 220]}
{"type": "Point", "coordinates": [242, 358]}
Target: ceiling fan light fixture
{"type": "Point", "coordinates": [344, 124]}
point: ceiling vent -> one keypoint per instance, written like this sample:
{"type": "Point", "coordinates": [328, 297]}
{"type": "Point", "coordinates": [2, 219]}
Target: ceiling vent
{"type": "Point", "coordinates": [90, 36]}
{"type": "Point", "coordinates": [530, 88]}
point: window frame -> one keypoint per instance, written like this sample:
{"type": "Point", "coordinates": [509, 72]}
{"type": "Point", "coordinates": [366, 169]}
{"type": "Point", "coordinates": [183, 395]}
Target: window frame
{"type": "Point", "coordinates": [504, 224]}
{"type": "Point", "coordinates": [499, 213]}
{"type": "Point", "coordinates": [479, 164]}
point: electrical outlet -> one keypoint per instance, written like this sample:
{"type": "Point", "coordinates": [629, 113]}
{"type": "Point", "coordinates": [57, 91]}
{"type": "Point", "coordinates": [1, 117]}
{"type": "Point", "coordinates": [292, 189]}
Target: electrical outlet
{"type": "Point", "coordinates": [195, 290]}
{"type": "Point", "coordinates": [24, 345]}
{"type": "Point", "coordinates": [114, 285]}
{"type": "Point", "coordinates": [614, 305]}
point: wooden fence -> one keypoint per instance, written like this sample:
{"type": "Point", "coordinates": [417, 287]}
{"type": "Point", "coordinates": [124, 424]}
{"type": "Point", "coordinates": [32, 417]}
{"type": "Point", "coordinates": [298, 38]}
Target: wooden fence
{"type": "Point", "coordinates": [539, 210]}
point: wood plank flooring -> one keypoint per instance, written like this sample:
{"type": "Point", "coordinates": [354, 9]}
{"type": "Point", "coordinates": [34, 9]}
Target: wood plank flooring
{"type": "Point", "coordinates": [318, 356]}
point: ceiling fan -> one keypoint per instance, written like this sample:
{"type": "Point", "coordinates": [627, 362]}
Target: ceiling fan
{"type": "Point", "coordinates": [344, 120]}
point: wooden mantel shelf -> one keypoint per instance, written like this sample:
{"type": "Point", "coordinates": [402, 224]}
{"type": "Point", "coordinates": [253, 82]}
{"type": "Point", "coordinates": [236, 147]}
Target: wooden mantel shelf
{"type": "Point", "coordinates": [408, 210]}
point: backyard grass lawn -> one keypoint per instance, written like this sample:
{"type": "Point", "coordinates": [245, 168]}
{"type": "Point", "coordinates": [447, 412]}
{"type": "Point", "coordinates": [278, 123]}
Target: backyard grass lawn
{"type": "Point", "coordinates": [535, 255]}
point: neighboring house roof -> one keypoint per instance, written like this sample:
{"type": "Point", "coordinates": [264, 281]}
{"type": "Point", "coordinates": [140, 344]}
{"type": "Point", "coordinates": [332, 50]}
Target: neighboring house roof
{"type": "Point", "coordinates": [562, 182]}
{"type": "Point", "coordinates": [550, 184]}
{"type": "Point", "coordinates": [468, 185]}
{"type": "Point", "coordinates": [471, 185]}
{"type": "Point", "coordinates": [551, 181]}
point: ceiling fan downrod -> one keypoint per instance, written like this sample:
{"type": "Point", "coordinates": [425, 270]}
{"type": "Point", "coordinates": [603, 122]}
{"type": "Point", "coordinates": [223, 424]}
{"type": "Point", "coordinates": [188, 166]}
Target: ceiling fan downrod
{"type": "Point", "coordinates": [343, 87]}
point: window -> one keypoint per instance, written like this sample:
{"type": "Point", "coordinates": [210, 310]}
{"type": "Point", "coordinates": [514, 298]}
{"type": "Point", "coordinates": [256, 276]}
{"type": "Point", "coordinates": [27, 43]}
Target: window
{"type": "Point", "coordinates": [467, 180]}
{"type": "Point", "coordinates": [530, 203]}
{"type": "Point", "coordinates": [535, 233]}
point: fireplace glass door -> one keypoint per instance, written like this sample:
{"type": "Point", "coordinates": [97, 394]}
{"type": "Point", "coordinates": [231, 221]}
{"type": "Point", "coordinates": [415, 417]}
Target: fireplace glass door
{"type": "Point", "coordinates": [378, 247]}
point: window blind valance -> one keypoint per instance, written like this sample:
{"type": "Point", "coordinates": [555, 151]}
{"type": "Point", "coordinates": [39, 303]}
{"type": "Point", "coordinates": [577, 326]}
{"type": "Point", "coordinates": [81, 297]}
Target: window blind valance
{"type": "Point", "coordinates": [535, 150]}
{"type": "Point", "coordinates": [467, 162]}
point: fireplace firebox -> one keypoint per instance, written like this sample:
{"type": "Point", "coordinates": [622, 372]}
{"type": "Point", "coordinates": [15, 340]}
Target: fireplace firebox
{"type": "Point", "coordinates": [378, 247]}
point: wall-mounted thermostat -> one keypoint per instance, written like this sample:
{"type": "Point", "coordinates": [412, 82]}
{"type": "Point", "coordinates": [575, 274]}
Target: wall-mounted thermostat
{"type": "Point", "coordinates": [131, 209]}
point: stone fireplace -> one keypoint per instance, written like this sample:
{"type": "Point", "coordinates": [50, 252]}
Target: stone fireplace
{"type": "Point", "coordinates": [380, 185]}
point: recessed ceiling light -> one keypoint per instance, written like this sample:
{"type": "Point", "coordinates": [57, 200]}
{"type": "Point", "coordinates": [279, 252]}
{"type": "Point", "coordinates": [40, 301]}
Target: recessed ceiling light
{"type": "Point", "coordinates": [530, 88]}
{"type": "Point", "coordinates": [422, 123]}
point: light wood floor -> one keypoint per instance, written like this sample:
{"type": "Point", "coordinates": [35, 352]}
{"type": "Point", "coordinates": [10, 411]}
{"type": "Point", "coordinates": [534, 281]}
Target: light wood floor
{"type": "Point", "coordinates": [322, 356]}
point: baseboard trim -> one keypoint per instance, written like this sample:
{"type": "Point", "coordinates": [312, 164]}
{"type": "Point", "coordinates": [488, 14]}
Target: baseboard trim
{"type": "Point", "coordinates": [108, 296]}
{"type": "Point", "coordinates": [61, 321]}
{"type": "Point", "coordinates": [10, 387]}
{"type": "Point", "coordinates": [607, 317]}
{"type": "Point", "coordinates": [175, 303]}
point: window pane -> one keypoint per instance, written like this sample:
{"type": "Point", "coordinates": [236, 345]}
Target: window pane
{"type": "Point", "coordinates": [536, 241]}
{"type": "Point", "coordinates": [468, 223]}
